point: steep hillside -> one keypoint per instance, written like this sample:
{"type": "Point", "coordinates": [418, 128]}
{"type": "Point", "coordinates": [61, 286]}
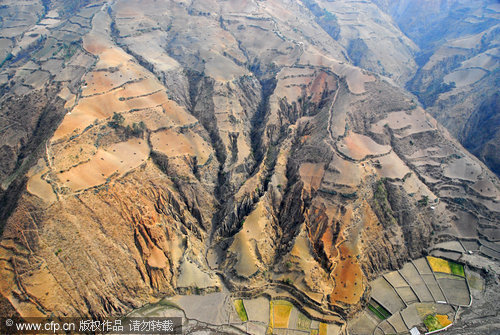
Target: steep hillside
{"type": "Point", "coordinates": [184, 148]}
{"type": "Point", "coordinates": [371, 38]}
{"type": "Point", "coordinates": [457, 78]}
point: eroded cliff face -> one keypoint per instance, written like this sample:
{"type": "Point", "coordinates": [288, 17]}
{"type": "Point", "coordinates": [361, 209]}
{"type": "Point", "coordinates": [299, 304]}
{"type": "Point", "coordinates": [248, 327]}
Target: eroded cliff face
{"type": "Point", "coordinates": [225, 143]}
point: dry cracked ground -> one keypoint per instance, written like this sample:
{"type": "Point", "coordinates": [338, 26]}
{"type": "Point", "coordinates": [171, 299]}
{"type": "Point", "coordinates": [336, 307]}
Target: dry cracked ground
{"type": "Point", "coordinates": [166, 148]}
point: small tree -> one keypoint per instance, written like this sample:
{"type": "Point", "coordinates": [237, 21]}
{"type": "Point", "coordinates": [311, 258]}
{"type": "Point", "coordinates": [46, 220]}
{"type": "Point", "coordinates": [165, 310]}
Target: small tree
{"type": "Point", "coordinates": [116, 121]}
{"type": "Point", "coordinates": [423, 201]}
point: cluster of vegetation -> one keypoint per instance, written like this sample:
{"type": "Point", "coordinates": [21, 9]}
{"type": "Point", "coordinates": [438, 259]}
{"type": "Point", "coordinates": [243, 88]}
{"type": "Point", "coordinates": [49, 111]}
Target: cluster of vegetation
{"type": "Point", "coordinates": [432, 90]}
{"type": "Point", "coordinates": [116, 121]}
{"type": "Point", "coordinates": [432, 323]}
{"type": "Point", "coordinates": [457, 269]}
{"type": "Point", "coordinates": [25, 53]}
{"type": "Point", "coordinates": [68, 7]}
{"type": "Point", "coordinates": [424, 201]}
{"type": "Point", "coordinates": [357, 49]}
{"type": "Point", "coordinates": [136, 130]}
{"type": "Point", "coordinates": [332, 192]}
{"type": "Point", "coordinates": [459, 201]}
{"type": "Point", "coordinates": [6, 59]}
{"type": "Point", "coordinates": [327, 20]}
{"type": "Point", "coordinates": [430, 95]}
{"type": "Point", "coordinates": [379, 311]}
{"type": "Point", "coordinates": [436, 322]}
{"type": "Point", "coordinates": [240, 309]}
{"type": "Point", "coordinates": [352, 195]}
{"type": "Point", "coordinates": [381, 203]}
{"type": "Point", "coordinates": [160, 160]}
{"type": "Point", "coordinates": [68, 50]}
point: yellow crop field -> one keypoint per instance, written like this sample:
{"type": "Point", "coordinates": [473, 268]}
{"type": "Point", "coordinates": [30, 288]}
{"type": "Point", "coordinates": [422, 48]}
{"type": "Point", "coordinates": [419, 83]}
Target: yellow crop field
{"type": "Point", "coordinates": [439, 265]}
{"type": "Point", "coordinates": [443, 320]}
{"type": "Point", "coordinates": [281, 313]}
{"type": "Point", "coordinates": [271, 322]}
{"type": "Point", "coordinates": [240, 309]}
{"type": "Point", "coordinates": [436, 322]}
{"type": "Point", "coordinates": [444, 266]}
{"type": "Point", "coordinates": [322, 329]}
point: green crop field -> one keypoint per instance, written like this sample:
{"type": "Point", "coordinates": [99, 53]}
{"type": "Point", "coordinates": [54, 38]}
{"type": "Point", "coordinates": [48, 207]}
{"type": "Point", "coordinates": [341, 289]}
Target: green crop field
{"type": "Point", "coordinates": [432, 323]}
{"type": "Point", "coordinates": [379, 311]}
{"type": "Point", "coordinates": [240, 309]}
{"type": "Point", "coordinates": [457, 269]}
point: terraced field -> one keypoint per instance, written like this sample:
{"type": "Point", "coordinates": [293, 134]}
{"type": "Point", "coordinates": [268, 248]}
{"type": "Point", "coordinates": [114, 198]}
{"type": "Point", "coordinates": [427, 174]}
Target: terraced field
{"type": "Point", "coordinates": [260, 315]}
{"type": "Point", "coordinates": [425, 293]}
{"type": "Point", "coordinates": [444, 266]}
